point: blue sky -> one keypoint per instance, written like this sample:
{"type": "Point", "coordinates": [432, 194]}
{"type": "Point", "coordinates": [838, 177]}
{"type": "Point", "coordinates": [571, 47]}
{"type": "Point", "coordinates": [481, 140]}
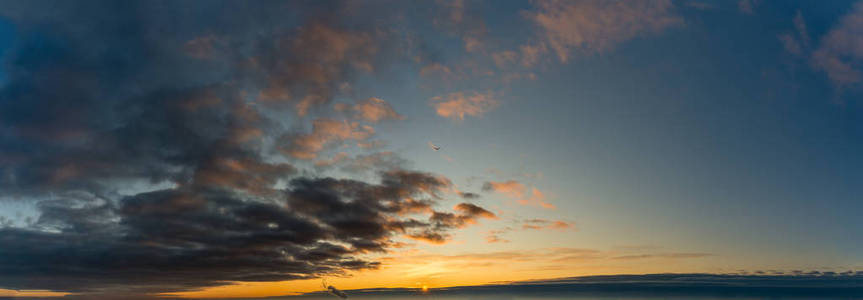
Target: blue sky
{"type": "Point", "coordinates": [708, 135]}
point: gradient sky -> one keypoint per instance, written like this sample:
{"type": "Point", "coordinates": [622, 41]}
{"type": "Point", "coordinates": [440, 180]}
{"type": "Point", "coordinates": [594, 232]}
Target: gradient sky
{"type": "Point", "coordinates": [147, 143]}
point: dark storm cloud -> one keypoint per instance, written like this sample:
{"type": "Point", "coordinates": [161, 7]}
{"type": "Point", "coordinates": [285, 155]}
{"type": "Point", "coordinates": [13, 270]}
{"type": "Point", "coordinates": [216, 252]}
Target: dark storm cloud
{"type": "Point", "coordinates": [191, 237]}
{"type": "Point", "coordinates": [147, 135]}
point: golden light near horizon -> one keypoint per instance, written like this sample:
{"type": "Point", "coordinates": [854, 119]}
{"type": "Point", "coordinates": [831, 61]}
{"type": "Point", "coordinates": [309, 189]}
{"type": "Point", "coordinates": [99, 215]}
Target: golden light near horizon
{"type": "Point", "coordinates": [425, 288]}
{"type": "Point", "coordinates": [30, 293]}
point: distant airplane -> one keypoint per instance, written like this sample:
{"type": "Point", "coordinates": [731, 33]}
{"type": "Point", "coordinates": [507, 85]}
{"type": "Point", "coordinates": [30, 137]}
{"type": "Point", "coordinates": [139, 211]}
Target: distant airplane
{"type": "Point", "coordinates": [333, 290]}
{"type": "Point", "coordinates": [433, 146]}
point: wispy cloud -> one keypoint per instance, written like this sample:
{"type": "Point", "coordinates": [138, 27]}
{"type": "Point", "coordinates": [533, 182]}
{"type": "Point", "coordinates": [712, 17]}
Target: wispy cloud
{"type": "Point", "coordinates": [458, 105]}
{"type": "Point", "coordinates": [663, 255]}
{"type": "Point", "coordinates": [497, 235]}
{"type": "Point", "coordinates": [747, 6]}
{"type": "Point", "coordinates": [840, 52]}
{"type": "Point", "coordinates": [537, 224]}
{"type": "Point", "coordinates": [596, 26]}
{"type": "Point", "coordinates": [516, 190]}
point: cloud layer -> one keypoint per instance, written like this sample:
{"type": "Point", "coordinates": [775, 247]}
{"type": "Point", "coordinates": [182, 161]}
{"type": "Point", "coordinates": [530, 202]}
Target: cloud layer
{"type": "Point", "coordinates": [160, 143]}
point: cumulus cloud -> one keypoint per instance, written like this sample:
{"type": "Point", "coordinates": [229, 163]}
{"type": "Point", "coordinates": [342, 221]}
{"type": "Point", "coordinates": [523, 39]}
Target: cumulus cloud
{"type": "Point", "coordinates": [166, 162]}
{"type": "Point", "coordinates": [466, 214]}
{"type": "Point", "coordinates": [321, 58]}
{"type": "Point", "coordinates": [325, 132]}
{"type": "Point", "coordinates": [597, 26]}
{"type": "Point", "coordinates": [458, 105]}
{"type": "Point", "coordinates": [375, 110]}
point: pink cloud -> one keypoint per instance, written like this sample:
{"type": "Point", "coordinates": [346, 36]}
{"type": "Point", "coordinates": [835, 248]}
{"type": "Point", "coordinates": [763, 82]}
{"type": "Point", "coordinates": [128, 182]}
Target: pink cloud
{"type": "Point", "coordinates": [512, 188]}
{"type": "Point", "coordinates": [536, 198]}
{"type": "Point", "coordinates": [458, 105]}
{"type": "Point", "coordinates": [321, 58]}
{"type": "Point", "coordinates": [324, 132]}
{"type": "Point", "coordinates": [516, 190]}
{"type": "Point", "coordinates": [375, 110]}
{"type": "Point", "coordinates": [538, 224]}
{"type": "Point", "coordinates": [596, 26]}
{"type": "Point", "coordinates": [840, 53]}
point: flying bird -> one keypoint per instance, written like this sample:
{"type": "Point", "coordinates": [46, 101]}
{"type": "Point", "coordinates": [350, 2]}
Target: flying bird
{"type": "Point", "coordinates": [433, 146]}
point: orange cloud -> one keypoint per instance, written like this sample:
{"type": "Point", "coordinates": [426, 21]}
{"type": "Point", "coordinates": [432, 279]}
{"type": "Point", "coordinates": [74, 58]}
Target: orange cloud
{"type": "Point", "coordinates": [516, 190]}
{"type": "Point", "coordinates": [663, 255]}
{"type": "Point", "coordinates": [325, 131]}
{"type": "Point", "coordinates": [473, 211]}
{"type": "Point", "coordinates": [596, 26]}
{"type": "Point", "coordinates": [537, 198]}
{"type": "Point", "coordinates": [248, 175]}
{"type": "Point", "coordinates": [375, 110]}
{"type": "Point", "coordinates": [31, 293]}
{"type": "Point", "coordinates": [429, 237]}
{"type": "Point", "coordinates": [537, 224]}
{"type": "Point", "coordinates": [494, 236]}
{"type": "Point", "coordinates": [458, 105]}
{"type": "Point", "coordinates": [466, 214]}
{"type": "Point", "coordinates": [512, 188]}
{"type": "Point", "coordinates": [321, 58]}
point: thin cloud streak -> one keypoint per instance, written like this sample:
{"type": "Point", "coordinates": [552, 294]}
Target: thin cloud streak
{"type": "Point", "coordinates": [458, 105]}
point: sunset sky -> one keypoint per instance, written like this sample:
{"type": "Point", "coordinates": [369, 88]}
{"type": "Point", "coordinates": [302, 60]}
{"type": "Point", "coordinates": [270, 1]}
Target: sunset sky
{"type": "Point", "coordinates": [251, 148]}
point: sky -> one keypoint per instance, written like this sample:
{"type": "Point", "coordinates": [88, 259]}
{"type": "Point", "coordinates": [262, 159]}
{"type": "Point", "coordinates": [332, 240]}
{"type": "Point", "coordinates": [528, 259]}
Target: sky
{"type": "Point", "coordinates": [251, 148]}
